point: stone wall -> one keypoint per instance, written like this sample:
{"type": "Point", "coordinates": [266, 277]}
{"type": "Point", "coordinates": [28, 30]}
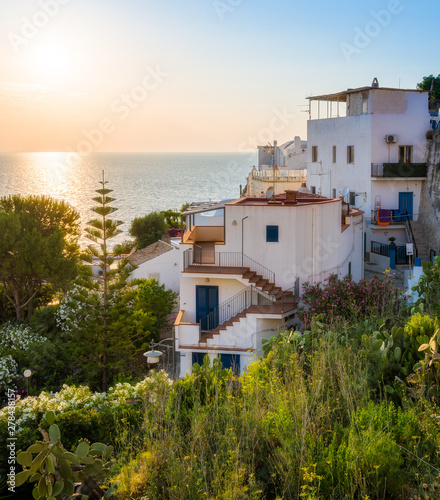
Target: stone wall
{"type": "Point", "coordinates": [429, 210]}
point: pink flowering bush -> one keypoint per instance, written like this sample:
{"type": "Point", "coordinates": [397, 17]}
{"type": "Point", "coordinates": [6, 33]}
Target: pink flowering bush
{"type": "Point", "coordinates": [345, 300]}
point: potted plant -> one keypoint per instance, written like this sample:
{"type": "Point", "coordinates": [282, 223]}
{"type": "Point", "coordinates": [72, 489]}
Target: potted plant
{"type": "Point", "coordinates": [392, 239]}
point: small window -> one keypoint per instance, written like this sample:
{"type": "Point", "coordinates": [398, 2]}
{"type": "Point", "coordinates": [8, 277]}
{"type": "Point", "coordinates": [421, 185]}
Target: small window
{"type": "Point", "coordinates": [272, 233]}
{"type": "Point", "coordinates": [334, 193]}
{"type": "Point", "coordinates": [314, 154]}
{"type": "Point", "coordinates": [197, 357]}
{"type": "Point", "coordinates": [365, 106]}
{"type": "Point", "coordinates": [313, 189]}
{"type": "Point", "coordinates": [334, 154]}
{"type": "Point", "coordinates": [349, 269]}
{"type": "Point", "coordinates": [350, 154]}
{"type": "Point", "coordinates": [352, 198]}
{"type": "Point", "coordinates": [405, 154]}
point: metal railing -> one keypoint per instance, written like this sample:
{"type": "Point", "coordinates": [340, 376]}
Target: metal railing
{"type": "Point", "coordinates": [250, 296]}
{"type": "Point", "coordinates": [280, 175]}
{"type": "Point", "coordinates": [289, 297]}
{"type": "Point", "coordinates": [230, 308]}
{"type": "Point", "coordinates": [410, 235]}
{"type": "Point", "coordinates": [200, 257]}
{"type": "Point", "coordinates": [399, 169]}
{"type": "Point", "coordinates": [384, 249]}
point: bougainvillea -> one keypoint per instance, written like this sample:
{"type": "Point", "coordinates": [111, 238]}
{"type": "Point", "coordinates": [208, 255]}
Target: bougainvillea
{"type": "Point", "coordinates": [344, 300]}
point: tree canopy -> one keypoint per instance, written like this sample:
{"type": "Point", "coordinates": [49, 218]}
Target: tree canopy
{"type": "Point", "coordinates": [38, 246]}
{"type": "Point", "coordinates": [148, 229]}
{"type": "Point", "coordinates": [426, 84]}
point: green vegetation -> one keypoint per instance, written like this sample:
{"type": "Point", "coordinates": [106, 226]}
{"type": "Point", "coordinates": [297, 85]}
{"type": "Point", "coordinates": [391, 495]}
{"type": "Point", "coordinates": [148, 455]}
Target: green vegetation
{"type": "Point", "coordinates": [345, 407]}
{"type": "Point", "coordinates": [427, 84]}
{"type": "Point", "coordinates": [38, 247]}
{"type": "Point", "coordinates": [151, 227]}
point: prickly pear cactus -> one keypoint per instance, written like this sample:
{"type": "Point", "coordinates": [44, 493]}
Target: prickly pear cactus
{"type": "Point", "coordinates": [58, 473]}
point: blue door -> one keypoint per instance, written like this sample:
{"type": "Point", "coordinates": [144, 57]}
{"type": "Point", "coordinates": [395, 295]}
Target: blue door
{"type": "Point", "coordinates": [231, 361]}
{"type": "Point", "coordinates": [206, 303]}
{"type": "Point", "coordinates": [406, 204]}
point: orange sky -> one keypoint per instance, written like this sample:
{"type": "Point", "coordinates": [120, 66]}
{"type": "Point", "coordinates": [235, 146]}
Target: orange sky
{"type": "Point", "coordinates": [185, 76]}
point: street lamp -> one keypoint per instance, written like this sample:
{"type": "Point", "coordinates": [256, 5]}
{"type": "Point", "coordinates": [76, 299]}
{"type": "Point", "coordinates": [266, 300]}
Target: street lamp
{"type": "Point", "coordinates": [27, 374]}
{"type": "Point", "coordinates": [153, 356]}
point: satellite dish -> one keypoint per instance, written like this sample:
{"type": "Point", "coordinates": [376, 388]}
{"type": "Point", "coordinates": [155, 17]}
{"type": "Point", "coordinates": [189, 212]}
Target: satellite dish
{"type": "Point", "coordinates": [269, 193]}
{"type": "Point", "coordinates": [345, 191]}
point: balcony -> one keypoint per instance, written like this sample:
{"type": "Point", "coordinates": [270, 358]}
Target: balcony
{"type": "Point", "coordinates": [387, 217]}
{"type": "Point", "coordinates": [205, 234]}
{"type": "Point", "coordinates": [399, 170]}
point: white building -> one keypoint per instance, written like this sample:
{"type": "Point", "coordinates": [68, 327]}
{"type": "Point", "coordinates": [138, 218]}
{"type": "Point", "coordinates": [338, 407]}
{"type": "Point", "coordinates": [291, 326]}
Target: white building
{"type": "Point", "coordinates": [371, 140]}
{"type": "Point", "coordinates": [241, 280]}
{"type": "Point", "coordinates": [159, 261]}
{"type": "Point", "coordinates": [280, 168]}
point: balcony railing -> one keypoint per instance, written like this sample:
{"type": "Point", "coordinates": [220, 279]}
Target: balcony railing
{"type": "Point", "coordinates": [280, 175]}
{"type": "Point", "coordinates": [386, 217]}
{"type": "Point", "coordinates": [200, 257]}
{"type": "Point", "coordinates": [384, 249]}
{"type": "Point", "coordinates": [399, 169]}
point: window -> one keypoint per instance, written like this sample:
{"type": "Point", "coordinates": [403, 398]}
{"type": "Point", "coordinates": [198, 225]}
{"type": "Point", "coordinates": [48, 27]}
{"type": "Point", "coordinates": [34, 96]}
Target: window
{"type": "Point", "coordinates": [314, 154]}
{"type": "Point", "coordinates": [334, 154]}
{"type": "Point", "coordinates": [349, 269]}
{"type": "Point", "coordinates": [365, 106]}
{"type": "Point", "coordinates": [405, 154]}
{"type": "Point", "coordinates": [334, 193]}
{"type": "Point", "coordinates": [197, 357]}
{"type": "Point", "coordinates": [313, 189]}
{"type": "Point", "coordinates": [352, 198]}
{"type": "Point", "coordinates": [272, 233]}
{"type": "Point", "coordinates": [350, 154]}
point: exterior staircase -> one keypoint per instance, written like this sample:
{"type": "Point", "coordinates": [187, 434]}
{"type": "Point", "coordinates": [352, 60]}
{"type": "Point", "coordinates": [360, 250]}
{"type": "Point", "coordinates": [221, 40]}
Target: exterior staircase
{"type": "Point", "coordinates": [262, 296]}
{"type": "Point", "coordinates": [422, 248]}
{"type": "Point", "coordinates": [282, 302]}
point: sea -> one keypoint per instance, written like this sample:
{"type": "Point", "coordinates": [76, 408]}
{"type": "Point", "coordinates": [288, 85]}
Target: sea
{"type": "Point", "coordinates": [141, 182]}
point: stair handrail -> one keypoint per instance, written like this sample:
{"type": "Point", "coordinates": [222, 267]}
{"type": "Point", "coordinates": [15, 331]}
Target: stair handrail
{"type": "Point", "coordinates": [410, 234]}
{"type": "Point", "coordinates": [259, 269]}
{"type": "Point", "coordinates": [286, 293]}
{"type": "Point", "coordinates": [234, 305]}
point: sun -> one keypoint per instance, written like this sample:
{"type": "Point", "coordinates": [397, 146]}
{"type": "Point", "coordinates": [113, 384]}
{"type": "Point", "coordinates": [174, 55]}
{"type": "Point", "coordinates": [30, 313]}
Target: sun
{"type": "Point", "coordinates": [49, 62]}
{"type": "Point", "coordinates": [51, 58]}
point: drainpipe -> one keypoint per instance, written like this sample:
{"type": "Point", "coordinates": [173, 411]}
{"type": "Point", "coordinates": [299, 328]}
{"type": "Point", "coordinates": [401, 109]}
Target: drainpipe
{"type": "Point", "coordinates": [242, 240]}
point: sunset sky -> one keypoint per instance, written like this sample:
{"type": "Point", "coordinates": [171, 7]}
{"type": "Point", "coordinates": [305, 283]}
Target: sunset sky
{"type": "Point", "coordinates": [194, 75]}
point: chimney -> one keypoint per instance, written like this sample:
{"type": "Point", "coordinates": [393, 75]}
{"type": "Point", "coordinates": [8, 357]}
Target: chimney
{"type": "Point", "coordinates": [290, 195]}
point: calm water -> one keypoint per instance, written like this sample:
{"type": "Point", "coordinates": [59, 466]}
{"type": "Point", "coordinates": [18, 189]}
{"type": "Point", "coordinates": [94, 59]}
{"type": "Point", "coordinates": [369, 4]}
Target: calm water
{"type": "Point", "coordinates": [141, 182]}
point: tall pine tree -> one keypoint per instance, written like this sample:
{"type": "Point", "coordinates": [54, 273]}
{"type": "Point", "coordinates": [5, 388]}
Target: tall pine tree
{"type": "Point", "coordinates": [100, 230]}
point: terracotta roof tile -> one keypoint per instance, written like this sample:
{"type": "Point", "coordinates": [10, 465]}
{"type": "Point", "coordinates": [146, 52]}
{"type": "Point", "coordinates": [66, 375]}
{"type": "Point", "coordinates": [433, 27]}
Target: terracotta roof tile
{"type": "Point", "coordinates": [149, 252]}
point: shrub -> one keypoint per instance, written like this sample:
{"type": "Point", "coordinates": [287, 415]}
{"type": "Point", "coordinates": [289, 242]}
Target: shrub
{"type": "Point", "coordinates": [345, 300]}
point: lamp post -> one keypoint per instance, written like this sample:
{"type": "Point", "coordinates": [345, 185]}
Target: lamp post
{"type": "Point", "coordinates": [153, 355]}
{"type": "Point", "coordinates": [27, 374]}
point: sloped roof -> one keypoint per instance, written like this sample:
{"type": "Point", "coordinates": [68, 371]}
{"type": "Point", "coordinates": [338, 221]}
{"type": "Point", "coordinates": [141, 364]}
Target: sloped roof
{"type": "Point", "coordinates": [149, 252]}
